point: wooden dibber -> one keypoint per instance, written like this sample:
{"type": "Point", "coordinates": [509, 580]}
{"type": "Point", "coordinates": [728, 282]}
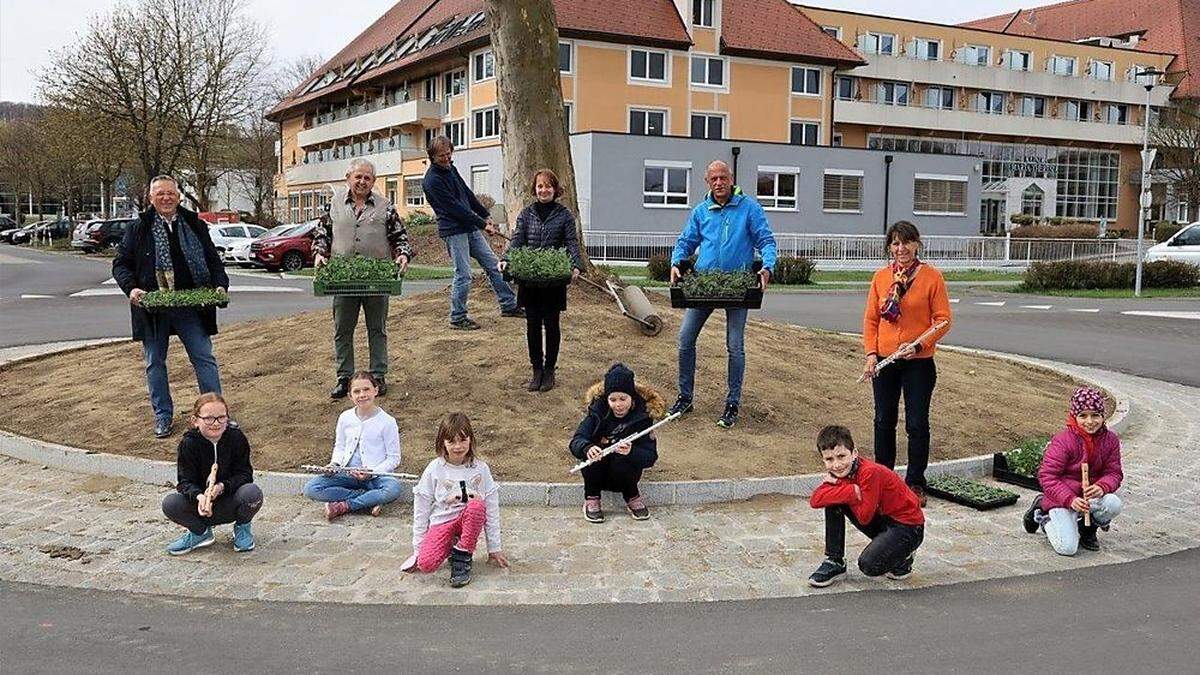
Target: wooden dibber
{"type": "Point", "coordinates": [1087, 515]}
{"type": "Point", "coordinates": [209, 484]}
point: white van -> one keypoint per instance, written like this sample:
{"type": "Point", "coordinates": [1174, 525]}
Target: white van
{"type": "Point", "coordinates": [1183, 246]}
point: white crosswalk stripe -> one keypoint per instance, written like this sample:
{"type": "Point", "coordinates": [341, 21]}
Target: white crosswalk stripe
{"type": "Point", "coordinates": [991, 304]}
{"type": "Point", "coordinates": [1036, 306]}
{"type": "Point", "coordinates": [1194, 316]}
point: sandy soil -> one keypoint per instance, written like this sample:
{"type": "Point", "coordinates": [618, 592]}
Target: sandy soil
{"type": "Point", "coordinates": [277, 373]}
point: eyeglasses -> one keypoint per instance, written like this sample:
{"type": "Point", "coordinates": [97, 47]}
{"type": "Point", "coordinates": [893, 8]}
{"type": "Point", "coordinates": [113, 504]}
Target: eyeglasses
{"type": "Point", "coordinates": [219, 419]}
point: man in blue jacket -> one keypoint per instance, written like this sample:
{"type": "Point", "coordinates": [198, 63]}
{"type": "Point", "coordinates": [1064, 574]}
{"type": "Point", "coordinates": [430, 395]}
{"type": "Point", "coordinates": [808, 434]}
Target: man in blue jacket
{"type": "Point", "coordinates": [460, 218]}
{"type": "Point", "coordinates": [727, 227]}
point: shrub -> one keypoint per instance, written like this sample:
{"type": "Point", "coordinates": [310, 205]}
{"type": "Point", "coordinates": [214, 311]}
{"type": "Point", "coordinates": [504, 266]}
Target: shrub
{"type": "Point", "coordinates": [539, 266]}
{"type": "Point", "coordinates": [1163, 230]}
{"type": "Point", "coordinates": [1056, 231]}
{"type": "Point", "coordinates": [1170, 274]}
{"type": "Point", "coordinates": [1081, 275]}
{"type": "Point", "coordinates": [420, 222]}
{"type": "Point", "coordinates": [1022, 219]}
{"type": "Point", "coordinates": [793, 271]}
{"type": "Point", "coordinates": [658, 267]}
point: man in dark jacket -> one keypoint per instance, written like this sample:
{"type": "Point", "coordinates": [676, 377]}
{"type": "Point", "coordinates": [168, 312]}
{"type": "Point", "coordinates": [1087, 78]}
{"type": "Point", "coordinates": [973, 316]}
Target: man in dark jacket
{"type": "Point", "coordinates": [460, 218]}
{"type": "Point", "coordinates": [171, 243]}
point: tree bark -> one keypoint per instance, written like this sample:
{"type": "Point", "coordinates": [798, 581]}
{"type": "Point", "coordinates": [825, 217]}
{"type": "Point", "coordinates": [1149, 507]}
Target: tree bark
{"type": "Point", "coordinates": [533, 129]}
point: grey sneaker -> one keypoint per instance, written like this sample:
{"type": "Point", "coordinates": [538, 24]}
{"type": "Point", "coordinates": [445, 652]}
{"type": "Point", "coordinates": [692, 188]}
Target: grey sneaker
{"type": "Point", "coordinates": [460, 568]}
{"type": "Point", "coordinates": [827, 573]}
{"type": "Point", "coordinates": [464, 324]}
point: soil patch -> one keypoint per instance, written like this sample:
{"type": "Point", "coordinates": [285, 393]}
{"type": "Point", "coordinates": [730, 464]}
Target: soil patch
{"type": "Point", "coordinates": [276, 374]}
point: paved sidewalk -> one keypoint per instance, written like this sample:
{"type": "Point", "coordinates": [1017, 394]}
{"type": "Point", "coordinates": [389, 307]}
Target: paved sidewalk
{"type": "Point", "coordinates": [109, 534]}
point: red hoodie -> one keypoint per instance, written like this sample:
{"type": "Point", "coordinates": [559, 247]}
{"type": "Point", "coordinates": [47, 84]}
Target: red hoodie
{"type": "Point", "coordinates": [880, 492]}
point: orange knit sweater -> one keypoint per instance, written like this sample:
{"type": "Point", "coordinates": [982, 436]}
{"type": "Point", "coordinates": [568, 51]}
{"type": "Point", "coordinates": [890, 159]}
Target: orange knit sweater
{"type": "Point", "coordinates": [925, 304]}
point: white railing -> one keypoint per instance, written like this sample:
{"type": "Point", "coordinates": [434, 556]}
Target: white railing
{"type": "Point", "coordinates": [852, 250]}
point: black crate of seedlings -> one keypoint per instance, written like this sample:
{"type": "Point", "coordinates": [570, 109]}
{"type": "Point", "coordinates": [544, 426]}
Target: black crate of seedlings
{"type": "Point", "coordinates": [357, 275]}
{"type": "Point", "coordinates": [538, 267]}
{"type": "Point", "coordinates": [1019, 466]}
{"type": "Point", "coordinates": [718, 290]}
{"type": "Point", "coordinates": [188, 298]}
{"type": "Point", "coordinates": [970, 493]}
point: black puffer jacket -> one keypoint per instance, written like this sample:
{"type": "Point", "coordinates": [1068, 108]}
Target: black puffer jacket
{"type": "Point", "coordinates": [557, 231]}
{"type": "Point", "coordinates": [195, 459]}
{"type": "Point", "coordinates": [602, 428]}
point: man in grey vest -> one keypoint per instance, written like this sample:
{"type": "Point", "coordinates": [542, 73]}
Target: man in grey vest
{"type": "Point", "coordinates": [360, 221]}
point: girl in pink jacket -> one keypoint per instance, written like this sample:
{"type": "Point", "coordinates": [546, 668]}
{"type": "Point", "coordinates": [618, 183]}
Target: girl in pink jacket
{"type": "Point", "coordinates": [1059, 510]}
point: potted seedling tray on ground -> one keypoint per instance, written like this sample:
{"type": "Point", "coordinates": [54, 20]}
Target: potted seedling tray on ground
{"type": "Point", "coordinates": [539, 267]}
{"type": "Point", "coordinates": [357, 275]}
{"type": "Point", "coordinates": [1019, 466]}
{"type": "Point", "coordinates": [189, 298]}
{"type": "Point", "coordinates": [718, 290]}
{"type": "Point", "coordinates": [970, 493]}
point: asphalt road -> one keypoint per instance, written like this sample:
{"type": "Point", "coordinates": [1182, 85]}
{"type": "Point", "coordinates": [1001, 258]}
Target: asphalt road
{"type": "Point", "coordinates": [1131, 618]}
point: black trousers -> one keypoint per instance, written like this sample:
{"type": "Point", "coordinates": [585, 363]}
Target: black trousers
{"type": "Point", "coordinates": [240, 507]}
{"type": "Point", "coordinates": [915, 380]}
{"type": "Point", "coordinates": [537, 318]}
{"type": "Point", "coordinates": [614, 473]}
{"type": "Point", "coordinates": [891, 542]}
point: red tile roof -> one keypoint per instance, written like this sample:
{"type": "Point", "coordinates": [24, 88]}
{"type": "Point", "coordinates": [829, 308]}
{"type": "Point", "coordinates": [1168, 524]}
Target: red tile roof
{"type": "Point", "coordinates": [1171, 26]}
{"type": "Point", "coordinates": [774, 29]}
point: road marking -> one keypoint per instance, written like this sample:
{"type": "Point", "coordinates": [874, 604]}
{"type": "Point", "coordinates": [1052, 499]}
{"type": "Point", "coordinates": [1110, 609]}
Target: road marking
{"type": "Point", "coordinates": [1089, 311]}
{"type": "Point", "coordinates": [1036, 306]}
{"type": "Point", "coordinates": [992, 304]}
{"type": "Point", "coordinates": [953, 300]}
{"type": "Point", "coordinates": [1194, 316]}
{"type": "Point", "coordinates": [97, 291]}
{"type": "Point", "coordinates": [34, 296]}
{"type": "Point", "coordinates": [92, 292]}
{"type": "Point", "coordinates": [111, 282]}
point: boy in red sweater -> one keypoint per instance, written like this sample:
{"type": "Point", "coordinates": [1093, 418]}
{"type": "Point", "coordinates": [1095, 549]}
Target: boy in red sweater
{"type": "Point", "coordinates": [876, 501]}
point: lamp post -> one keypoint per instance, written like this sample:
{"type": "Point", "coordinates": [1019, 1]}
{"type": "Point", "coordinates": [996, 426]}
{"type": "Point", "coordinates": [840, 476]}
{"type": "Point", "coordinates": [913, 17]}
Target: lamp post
{"type": "Point", "coordinates": [1147, 161]}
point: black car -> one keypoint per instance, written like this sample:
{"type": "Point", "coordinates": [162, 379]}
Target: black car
{"type": "Point", "coordinates": [25, 234]}
{"type": "Point", "coordinates": [101, 234]}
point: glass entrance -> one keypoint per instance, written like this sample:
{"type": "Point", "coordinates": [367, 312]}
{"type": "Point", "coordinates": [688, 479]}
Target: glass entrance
{"type": "Point", "coordinates": [991, 215]}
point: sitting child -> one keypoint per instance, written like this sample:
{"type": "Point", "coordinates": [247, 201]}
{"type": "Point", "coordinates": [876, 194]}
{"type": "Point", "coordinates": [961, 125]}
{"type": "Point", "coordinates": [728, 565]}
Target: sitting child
{"type": "Point", "coordinates": [616, 408]}
{"type": "Point", "coordinates": [1059, 509]}
{"type": "Point", "coordinates": [876, 501]}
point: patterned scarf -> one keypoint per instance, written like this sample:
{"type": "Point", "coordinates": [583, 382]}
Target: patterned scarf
{"type": "Point", "coordinates": [193, 250]}
{"type": "Point", "coordinates": [1089, 440]}
{"type": "Point", "coordinates": [902, 278]}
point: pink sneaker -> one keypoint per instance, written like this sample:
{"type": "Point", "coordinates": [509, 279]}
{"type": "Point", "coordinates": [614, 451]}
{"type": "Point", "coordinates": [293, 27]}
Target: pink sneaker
{"type": "Point", "coordinates": [592, 510]}
{"type": "Point", "coordinates": [637, 508]}
{"type": "Point", "coordinates": [334, 510]}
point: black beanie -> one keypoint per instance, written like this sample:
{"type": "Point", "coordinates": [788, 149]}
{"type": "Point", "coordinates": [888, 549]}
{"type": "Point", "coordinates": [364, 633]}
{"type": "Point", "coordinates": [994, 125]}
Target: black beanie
{"type": "Point", "coordinates": [619, 378]}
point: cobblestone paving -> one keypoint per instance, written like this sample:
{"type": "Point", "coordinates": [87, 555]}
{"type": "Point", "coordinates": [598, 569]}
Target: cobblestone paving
{"type": "Point", "coordinates": [109, 534]}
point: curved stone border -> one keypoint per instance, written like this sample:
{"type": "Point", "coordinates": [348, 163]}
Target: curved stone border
{"type": "Point", "coordinates": [656, 493]}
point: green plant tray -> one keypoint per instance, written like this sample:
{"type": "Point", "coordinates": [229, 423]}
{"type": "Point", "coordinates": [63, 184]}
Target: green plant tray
{"type": "Point", "coordinates": [538, 283]}
{"type": "Point", "coordinates": [1002, 473]}
{"type": "Point", "coordinates": [973, 502]}
{"type": "Point", "coordinates": [751, 300]}
{"type": "Point", "coordinates": [383, 287]}
{"type": "Point", "coordinates": [159, 310]}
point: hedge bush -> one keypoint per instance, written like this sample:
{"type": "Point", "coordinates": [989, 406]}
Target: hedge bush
{"type": "Point", "coordinates": [1083, 275]}
{"type": "Point", "coordinates": [420, 221]}
{"type": "Point", "coordinates": [1163, 230]}
{"type": "Point", "coordinates": [1064, 231]}
{"type": "Point", "coordinates": [792, 271]}
{"type": "Point", "coordinates": [658, 267]}
{"type": "Point", "coordinates": [1170, 274]}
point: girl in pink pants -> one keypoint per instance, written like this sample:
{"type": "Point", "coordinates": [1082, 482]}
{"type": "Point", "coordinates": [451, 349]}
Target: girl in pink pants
{"type": "Point", "coordinates": [455, 500]}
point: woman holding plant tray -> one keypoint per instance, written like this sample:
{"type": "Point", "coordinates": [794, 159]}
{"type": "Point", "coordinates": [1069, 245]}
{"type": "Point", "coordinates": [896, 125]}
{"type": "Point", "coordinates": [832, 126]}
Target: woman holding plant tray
{"type": "Point", "coordinates": [543, 257]}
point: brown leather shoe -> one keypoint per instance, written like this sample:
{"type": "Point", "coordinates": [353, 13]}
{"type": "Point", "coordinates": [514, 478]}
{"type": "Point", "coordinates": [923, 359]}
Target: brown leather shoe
{"type": "Point", "coordinates": [547, 379]}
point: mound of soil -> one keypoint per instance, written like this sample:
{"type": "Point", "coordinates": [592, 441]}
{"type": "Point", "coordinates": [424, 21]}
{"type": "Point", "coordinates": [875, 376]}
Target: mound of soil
{"type": "Point", "coordinates": [276, 375]}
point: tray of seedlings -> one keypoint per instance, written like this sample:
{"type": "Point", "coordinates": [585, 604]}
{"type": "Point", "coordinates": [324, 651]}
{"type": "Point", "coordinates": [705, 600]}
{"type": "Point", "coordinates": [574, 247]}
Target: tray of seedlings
{"type": "Point", "coordinates": [970, 493]}
{"type": "Point", "coordinates": [188, 298]}
{"type": "Point", "coordinates": [357, 275]}
{"type": "Point", "coordinates": [539, 267]}
{"type": "Point", "coordinates": [1020, 465]}
{"type": "Point", "coordinates": [717, 290]}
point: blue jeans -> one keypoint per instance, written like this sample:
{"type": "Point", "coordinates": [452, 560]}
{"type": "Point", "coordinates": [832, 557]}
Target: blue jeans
{"type": "Point", "coordinates": [463, 247]}
{"type": "Point", "coordinates": [196, 342]}
{"type": "Point", "coordinates": [362, 494]}
{"type": "Point", "coordinates": [1062, 525]}
{"type": "Point", "coordinates": [735, 344]}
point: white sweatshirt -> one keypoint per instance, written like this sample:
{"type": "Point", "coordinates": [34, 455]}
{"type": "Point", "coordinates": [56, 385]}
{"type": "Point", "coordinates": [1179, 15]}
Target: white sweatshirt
{"type": "Point", "coordinates": [375, 441]}
{"type": "Point", "coordinates": [437, 498]}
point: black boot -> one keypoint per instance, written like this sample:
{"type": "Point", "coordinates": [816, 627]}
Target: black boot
{"type": "Point", "coordinates": [548, 379]}
{"type": "Point", "coordinates": [535, 384]}
{"type": "Point", "coordinates": [1087, 537]}
{"type": "Point", "coordinates": [460, 568]}
{"type": "Point", "coordinates": [342, 389]}
{"type": "Point", "coordinates": [1031, 515]}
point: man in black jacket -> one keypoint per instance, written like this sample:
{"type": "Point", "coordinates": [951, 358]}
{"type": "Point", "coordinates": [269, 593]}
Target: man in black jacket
{"type": "Point", "coordinates": [170, 243]}
{"type": "Point", "coordinates": [460, 218]}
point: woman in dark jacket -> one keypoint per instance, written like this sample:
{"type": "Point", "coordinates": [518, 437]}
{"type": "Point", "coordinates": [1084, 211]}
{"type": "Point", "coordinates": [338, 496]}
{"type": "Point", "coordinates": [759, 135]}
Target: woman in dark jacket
{"type": "Point", "coordinates": [616, 408]}
{"type": "Point", "coordinates": [545, 224]}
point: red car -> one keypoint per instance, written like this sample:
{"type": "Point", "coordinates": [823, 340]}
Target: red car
{"type": "Point", "coordinates": [291, 249]}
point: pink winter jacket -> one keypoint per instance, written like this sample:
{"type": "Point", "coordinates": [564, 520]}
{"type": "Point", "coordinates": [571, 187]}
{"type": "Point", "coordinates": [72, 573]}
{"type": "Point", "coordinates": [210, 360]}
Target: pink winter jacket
{"type": "Point", "coordinates": [1060, 474]}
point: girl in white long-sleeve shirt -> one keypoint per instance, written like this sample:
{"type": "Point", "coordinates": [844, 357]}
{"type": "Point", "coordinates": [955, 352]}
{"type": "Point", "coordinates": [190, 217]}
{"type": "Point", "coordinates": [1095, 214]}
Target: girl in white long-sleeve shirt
{"type": "Point", "coordinates": [454, 501]}
{"type": "Point", "coordinates": [367, 438]}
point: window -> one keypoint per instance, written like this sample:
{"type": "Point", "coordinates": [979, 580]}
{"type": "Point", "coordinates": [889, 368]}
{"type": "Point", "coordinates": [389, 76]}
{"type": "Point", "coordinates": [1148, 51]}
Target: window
{"type": "Point", "coordinates": [842, 191]}
{"type": "Point", "coordinates": [429, 89]}
{"type": "Point", "coordinates": [708, 71]}
{"type": "Point", "coordinates": [702, 13]}
{"type": "Point", "coordinates": [483, 66]}
{"type": "Point", "coordinates": [877, 43]}
{"type": "Point", "coordinates": [834, 32]}
{"type": "Point", "coordinates": [564, 57]}
{"type": "Point", "coordinates": [414, 193]}
{"type": "Point", "coordinates": [806, 81]}
{"type": "Point", "coordinates": [294, 207]}
{"type": "Point", "coordinates": [1102, 70]}
{"type": "Point", "coordinates": [846, 89]}
{"type": "Point", "coordinates": [1079, 111]}
{"type": "Point", "coordinates": [837, 140]}
{"type": "Point", "coordinates": [1116, 113]}
{"type": "Point", "coordinates": [486, 124]}
{"type": "Point", "coordinates": [391, 188]}
{"type": "Point", "coordinates": [479, 179]}
{"type": "Point", "coordinates": [1015, 59]}
{"type": "Point", "coordinates": [454, 83]}
{"type": "Point", "coordinates": [1033, 106]}
{"type": "Point", "coordinates": [975, 55]}
{"type": "Point", "coordinates": [777, 187]}
{"type": "Point", "coordinates": [665, 184]}
{"type": "Point", "coordinates": [941, 98]}
{"type": "Point", "coordinates": [805, 133]}
{"type": "Point", "coordinates": [891, 93]}
{"type": "Point", "coordinates": [1061, 65]}
{"type": "Point", "coordinates": [935, 195]}
{"type": "Point", "coordinates": [990, 102]}
{"type": "Point", "coordinates": [567, 116]}
{"type": "Point", "coordinates": [647, 65]}
{"type": "Point", "coordinates": [708, 126]}
{"type": "Point", "coordinates": [430, 134]}
{"type": "Point", "coordinates": [455, 132]}
{"type": "Point", "coordinates": [927, 50]}
{"type": "Point", "coordinates": [1032, 199]}
{"type": "Point", "coordinates": [232, 232]}
{"type": "Point", "coordinates": [648, 122]}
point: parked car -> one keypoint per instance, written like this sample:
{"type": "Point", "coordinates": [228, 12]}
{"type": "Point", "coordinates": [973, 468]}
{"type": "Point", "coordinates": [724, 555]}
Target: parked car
{"type": "Point", "coordinates": [7, 233]}
{"type": "Point", "coordinates": [55, 229]}
{"type": "Point", "coordinates": [239, 254]}
{"type": "Point", "coordinates": [225, 236]}
{"type": "Point", "coordinates": [290, 250]}
{"type": "Point", "coordinates": [1183, 246]}
{"type": "Point", "coordinates": [101, 234]}
{"type": "Point", "coordinates": [7, 223]}
{"type": "Point", "coordinates": [26, 234]}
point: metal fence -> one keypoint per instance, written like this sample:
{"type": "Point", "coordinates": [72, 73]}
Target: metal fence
{"type": "Point", "coordinates": [854, 250]}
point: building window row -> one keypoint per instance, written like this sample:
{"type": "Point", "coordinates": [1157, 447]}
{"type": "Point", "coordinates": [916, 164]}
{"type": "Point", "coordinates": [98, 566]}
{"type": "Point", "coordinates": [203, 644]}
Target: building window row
{"type": "Point", "coordinates": [357, 147]}
{"type": "Point", "coordinates": [306, 205]}
{"type": "Point", "coordinates": [665, 185]}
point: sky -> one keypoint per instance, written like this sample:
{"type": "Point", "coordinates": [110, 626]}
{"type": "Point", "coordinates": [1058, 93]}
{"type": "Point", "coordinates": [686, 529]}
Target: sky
{"type": "Point", "coordinates": [31, 29]}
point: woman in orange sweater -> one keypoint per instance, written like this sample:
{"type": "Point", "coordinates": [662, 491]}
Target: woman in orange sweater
{"type": "Point", "coordinates": [906, 298]}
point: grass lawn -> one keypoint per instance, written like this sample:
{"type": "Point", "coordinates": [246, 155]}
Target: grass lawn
{"type": "Point", "coordinates": [1193, 292]}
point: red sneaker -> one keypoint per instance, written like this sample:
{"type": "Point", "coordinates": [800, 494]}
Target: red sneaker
{"type": "Point", "coordinates": [335, 510]}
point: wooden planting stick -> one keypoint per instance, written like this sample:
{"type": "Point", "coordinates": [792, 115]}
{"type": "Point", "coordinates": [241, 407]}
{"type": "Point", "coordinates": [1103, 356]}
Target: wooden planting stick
{"type": "Point", "coordinates": [1087, 515]}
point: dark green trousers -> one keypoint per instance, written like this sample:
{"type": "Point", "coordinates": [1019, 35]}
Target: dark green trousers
{"type": "Point", "coordinates": [345, 320]}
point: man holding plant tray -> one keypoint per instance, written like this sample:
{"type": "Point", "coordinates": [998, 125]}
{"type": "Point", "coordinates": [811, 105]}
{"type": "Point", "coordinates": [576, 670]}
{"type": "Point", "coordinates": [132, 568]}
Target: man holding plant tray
{"type": "Point", "coordinates": [168, 249]}
{"type": "Point", "coordinates": [359, 221]}
{"type": "Point", "coordinates": [725, 229]}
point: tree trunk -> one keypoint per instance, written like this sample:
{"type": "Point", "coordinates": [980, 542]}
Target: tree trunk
{"type": "Point", "coordinates": [533, 130]}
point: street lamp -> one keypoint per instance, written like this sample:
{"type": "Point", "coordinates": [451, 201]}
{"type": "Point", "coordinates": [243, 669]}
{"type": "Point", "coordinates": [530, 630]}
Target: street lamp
{"type": "Point", "coordinates": [1147, 161]}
